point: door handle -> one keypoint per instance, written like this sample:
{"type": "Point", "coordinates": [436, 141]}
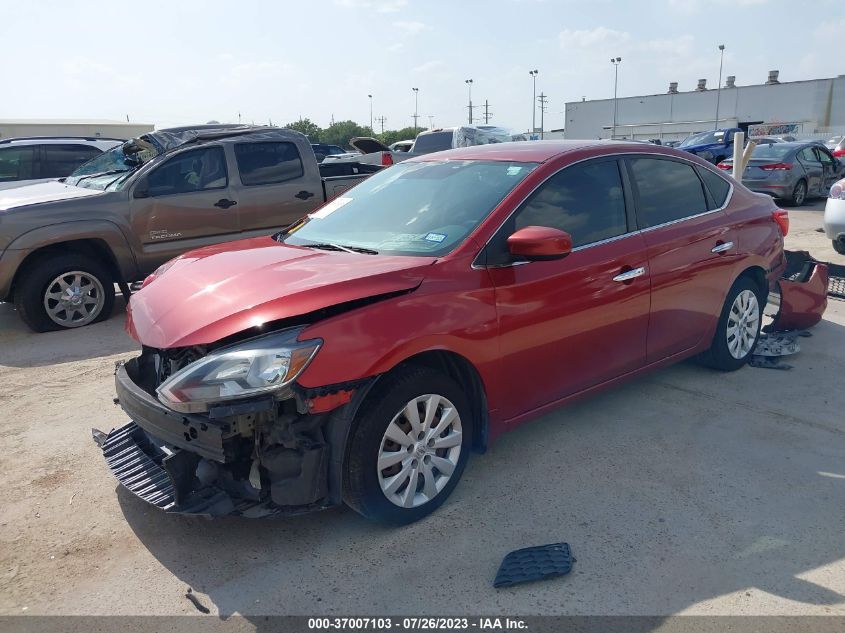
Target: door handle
{"type": "Point", "coordinates": [628, 275]}
{"type": "Point", "coordinates": [225, 203]}
{"type": "Point", "coordinates": [304, 195]}
{"type": "Point", "coordinates": [721, 248]}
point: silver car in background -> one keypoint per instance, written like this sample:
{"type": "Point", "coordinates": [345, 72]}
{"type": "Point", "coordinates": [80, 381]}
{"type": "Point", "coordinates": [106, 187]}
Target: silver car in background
{"type": "Point", "coordinates": [791, 172]}
{"type": "Point", "coordinates": [834, 217]}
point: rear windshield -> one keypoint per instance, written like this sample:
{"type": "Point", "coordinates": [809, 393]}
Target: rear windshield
{"type": "Point", "coordinates": [773, 150]}
{"type": "Point", "coordinates": [434, 142]}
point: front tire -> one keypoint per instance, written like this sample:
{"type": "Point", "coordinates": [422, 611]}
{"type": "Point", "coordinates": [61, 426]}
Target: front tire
{"type": "Point", "coordinates": [738, 329]}
{"type": "Point", "coordinates": [409, 446]}
{"type": "Point", "coordinates": [62, 291]}
{"type": "Point", "coordinates": [839, 245]}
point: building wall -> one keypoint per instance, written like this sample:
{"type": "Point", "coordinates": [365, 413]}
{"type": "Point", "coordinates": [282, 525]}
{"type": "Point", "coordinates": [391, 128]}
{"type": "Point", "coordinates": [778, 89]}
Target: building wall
{"type": "Point", "coordinates": [106, 129]}
{"type": "Point", "coordinates": [817, 104]}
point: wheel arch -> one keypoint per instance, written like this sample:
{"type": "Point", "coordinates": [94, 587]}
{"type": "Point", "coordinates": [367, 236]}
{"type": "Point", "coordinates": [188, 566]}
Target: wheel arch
{"type": "Point", "coordinates": [758, 275]}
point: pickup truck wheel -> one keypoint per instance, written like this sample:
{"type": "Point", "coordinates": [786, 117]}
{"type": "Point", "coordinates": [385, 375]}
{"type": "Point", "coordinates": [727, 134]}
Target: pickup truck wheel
{"type": "Point", "coordinates": [64, 291]}
{"type": "Point", "coordinates": [409, 447]}
{"type": "Point", "coordinates": [738, 329]}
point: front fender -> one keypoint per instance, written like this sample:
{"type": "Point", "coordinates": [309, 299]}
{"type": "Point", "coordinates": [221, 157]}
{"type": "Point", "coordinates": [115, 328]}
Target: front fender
{"type": "Point", "coordinates": [101, 230]}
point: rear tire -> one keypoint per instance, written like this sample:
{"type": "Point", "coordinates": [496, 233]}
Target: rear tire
{"type": "Point", "coordinates": [839, 245]}
{"type": "Point", "coordinates": [738, 329]}
{"type": "Point", "coordinates": [431, 458]}
{"type": "Point", "coordinates": [83, 285]}
{"type": "Point", "coordinates": [799, 194]}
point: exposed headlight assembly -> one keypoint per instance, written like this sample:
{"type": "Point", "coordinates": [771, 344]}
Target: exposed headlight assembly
{"type": "Point", "coordinates": [263, 365]}
{"type": "Point", "coordinates": [837, 191]}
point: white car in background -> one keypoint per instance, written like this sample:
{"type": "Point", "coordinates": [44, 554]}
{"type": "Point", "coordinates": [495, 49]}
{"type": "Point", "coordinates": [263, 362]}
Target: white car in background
{"type": "Point", "coordinates": [834, 217]}
{"type": "Point", "coordinates": [30, 160]}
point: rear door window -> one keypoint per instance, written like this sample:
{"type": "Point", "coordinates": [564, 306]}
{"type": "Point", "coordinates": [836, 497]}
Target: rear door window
{"type": "Point", "coordinates": [268, 163]}
{"type": "Point", "coordinates": [61, 160]}
{"type": "Point", "coordinates": [667, 190]}
{"type": "Point", "coordinates": [807, 155]}
{"type": "Point", "coordinates": [196, 170]}
{"type": "Point", "coordinates": [16, 163]}
{"type": "Point", "coordinates": [716, 185]}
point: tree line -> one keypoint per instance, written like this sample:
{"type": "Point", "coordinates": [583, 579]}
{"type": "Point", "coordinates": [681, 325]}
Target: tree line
{"type": "Point", "coordinates": [339, 132]}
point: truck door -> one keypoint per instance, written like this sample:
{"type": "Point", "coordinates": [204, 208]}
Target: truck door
{"type": "Point", "coordinates": [274, 186]}
{"type": "Point", "coordinates": [182, 204]}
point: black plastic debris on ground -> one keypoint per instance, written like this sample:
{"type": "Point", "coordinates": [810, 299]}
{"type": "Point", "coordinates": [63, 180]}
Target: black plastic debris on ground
{"type": "Point", "coordinates": [534, 563]}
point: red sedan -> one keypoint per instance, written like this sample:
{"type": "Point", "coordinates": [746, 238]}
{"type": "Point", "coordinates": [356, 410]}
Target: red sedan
{"type": "Point", "coordinates": [360, 355]}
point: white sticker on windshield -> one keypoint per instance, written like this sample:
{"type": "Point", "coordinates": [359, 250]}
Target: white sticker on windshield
{"type": "Point", "coordinates": [514, 170]}
{"type": "Point", "coordinates": [329, 208]}
{"type": "Point", "coordinates": [435, 237]}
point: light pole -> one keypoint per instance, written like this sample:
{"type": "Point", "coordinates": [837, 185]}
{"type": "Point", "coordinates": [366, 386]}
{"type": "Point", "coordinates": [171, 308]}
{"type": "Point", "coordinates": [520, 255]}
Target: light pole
{"type": "Point", "coordinates": [615, 61]}
{"type": "Point", "coordinates": [719, 85]}
{"type": "Point", "coordinates": [468, 82]}
{"type": "Point", "coordinates": [416, 116]}
{"type": "Point", "coordinates": [533, 74]}
{"type": "Point", "coordinates": [371, 113]}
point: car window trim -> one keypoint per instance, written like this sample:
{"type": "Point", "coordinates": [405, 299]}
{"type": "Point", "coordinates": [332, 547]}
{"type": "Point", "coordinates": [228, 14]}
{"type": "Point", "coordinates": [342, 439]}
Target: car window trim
{"type": "Point", "coordinates": [704, 191]}
{"type": "Point", "coordinates": [167, 159]}
{"type": "Point", "coordinates": [479, 261]}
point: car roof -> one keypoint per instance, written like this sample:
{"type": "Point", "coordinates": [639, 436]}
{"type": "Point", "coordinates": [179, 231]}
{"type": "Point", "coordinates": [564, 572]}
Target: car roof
{"type": "Point", "coordinates": [535, 151]}
{"type": "Point", "coordinates": [49, 140]}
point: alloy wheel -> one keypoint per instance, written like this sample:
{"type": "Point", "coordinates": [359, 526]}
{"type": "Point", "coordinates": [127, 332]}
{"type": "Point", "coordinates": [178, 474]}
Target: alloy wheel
{"type": "Point", "coordinates": [743, 323]}
{"type": "Point", "coordinates": [800, 193]}
{"type": "Point", "coordinates": [74, 299]}
{"type": "Point", "coordinates": [419, 451]}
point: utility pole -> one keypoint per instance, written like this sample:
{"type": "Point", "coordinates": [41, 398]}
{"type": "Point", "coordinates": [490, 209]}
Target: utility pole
{"type": "Point", "coordinates": [381, 120]}
{"type": "Point", "coordinates": [371, 112]}
{"type": "Point", "coordinates": [542, 99]}
{"type": "Point", "coordinates": [430, 121]}
{"type": "Point", "coordinates": [487, 113]}
{"type": "Point", "coordinates": [416, 103]}
{"type": "Point", "coordinates": [239, 118]}
{"type": "Point", "coordinates": [533, 74]}
{"type": "Point", "coordinates": [468, 82]}
{"type": "Point", "coordinates": [719, 85]}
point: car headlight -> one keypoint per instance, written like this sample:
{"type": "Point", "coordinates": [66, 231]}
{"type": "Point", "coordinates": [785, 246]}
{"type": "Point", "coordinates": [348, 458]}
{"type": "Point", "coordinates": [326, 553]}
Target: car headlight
{"type": "Point", "coordinates": [837, 191]}
{"type": "Point", "coordinates": [263, 365]}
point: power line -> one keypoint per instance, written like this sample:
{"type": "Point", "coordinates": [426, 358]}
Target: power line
{"type": "Point", "coordinates": [381, 119]}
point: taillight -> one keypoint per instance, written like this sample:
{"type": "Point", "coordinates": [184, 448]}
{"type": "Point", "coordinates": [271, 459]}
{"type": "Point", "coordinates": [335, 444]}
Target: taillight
{"type": "Point", "coordinates": [782, 218]}
{"type": "Point", "coordinates": [777, 167]}
{"type": "Point", "coordinates": [386, 159]}
{"type": "Point", "coordinates": [725, 166]}
{"type": "Point", "coordinates": [839, 153]}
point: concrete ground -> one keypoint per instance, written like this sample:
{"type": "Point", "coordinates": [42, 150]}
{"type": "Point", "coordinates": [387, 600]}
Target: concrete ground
{"type": "Point", "coordinates": [686, 491]}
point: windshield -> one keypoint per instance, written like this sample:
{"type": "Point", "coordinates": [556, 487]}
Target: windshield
{"type": "Point", "coordinates": [434, 142]}
{"type": "Point", "coordinates": [424, 209]}
{"type": "Point", "coordinates": [110, 169]}
{"type": "Point", "coordinates": [704, 138]}
{"type": "Point", "coordinates": [775, 150]}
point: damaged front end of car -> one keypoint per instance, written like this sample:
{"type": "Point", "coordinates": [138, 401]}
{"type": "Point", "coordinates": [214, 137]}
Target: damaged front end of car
{"type": "Point", "coordinates": [227, 431]}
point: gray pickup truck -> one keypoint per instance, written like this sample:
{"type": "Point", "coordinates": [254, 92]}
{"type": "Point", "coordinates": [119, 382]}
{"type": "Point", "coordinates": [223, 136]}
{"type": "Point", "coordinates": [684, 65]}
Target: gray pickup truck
{"type": "Point", "coordinates": [65, 244]}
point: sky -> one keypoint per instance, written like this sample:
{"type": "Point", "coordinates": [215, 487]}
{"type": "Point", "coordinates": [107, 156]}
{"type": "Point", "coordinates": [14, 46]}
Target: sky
{"type": "Point", "coordinates": [184, 62]}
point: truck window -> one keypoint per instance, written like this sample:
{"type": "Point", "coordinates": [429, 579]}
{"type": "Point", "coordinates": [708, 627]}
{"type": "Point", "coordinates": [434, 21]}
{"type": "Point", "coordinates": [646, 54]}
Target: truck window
{"type": "Point", "coordinates": [197, 170]}
{"type": "Point", "coordinates": [267, 163]}
{"type": "Point", "coordinates": [61, 160]}
{"type": "Point", "coordinates": [16, 163]}
{"type": "Point", "coordinates": [433, 142]}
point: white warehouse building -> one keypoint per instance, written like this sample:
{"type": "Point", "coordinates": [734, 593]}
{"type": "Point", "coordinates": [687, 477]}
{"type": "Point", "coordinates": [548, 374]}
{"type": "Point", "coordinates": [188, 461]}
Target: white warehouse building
{"type": "Point", "coordinates": [805, 109]}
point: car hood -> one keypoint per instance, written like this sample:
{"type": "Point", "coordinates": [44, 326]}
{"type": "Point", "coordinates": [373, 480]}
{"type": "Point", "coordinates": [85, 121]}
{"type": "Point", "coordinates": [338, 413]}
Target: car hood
{"type": "Point", "coordinates": [52, 191]}
{"type": "Point", "coordinates": [215, 292]}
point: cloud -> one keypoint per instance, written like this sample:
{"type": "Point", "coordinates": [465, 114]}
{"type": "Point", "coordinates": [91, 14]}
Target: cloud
{"type": "Point", "coordinates": [690, 7]}
{"type": "Point", "coordinates": [589, 38]}
{"type": "Point", "coordinates": [410, 28]}
{"type": "Point", "coordinates": [429, 66]}
{"type": "Point", "coordinates": [379, 6]}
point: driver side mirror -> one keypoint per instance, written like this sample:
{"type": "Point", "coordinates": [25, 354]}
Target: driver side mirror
{"type": "Point", "coordinates": [533, 243]}
{"type": "Point", "coordinates": [142, 189]}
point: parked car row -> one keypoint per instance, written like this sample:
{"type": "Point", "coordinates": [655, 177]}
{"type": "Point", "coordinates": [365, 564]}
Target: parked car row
{"type": "Point", "coordinates": [792, 172]}
{"type": "Point", "coordinates": [63, 245]}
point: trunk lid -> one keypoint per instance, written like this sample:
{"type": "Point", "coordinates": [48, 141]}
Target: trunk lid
{"type": "Point", "coordinates": [368, 145]}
